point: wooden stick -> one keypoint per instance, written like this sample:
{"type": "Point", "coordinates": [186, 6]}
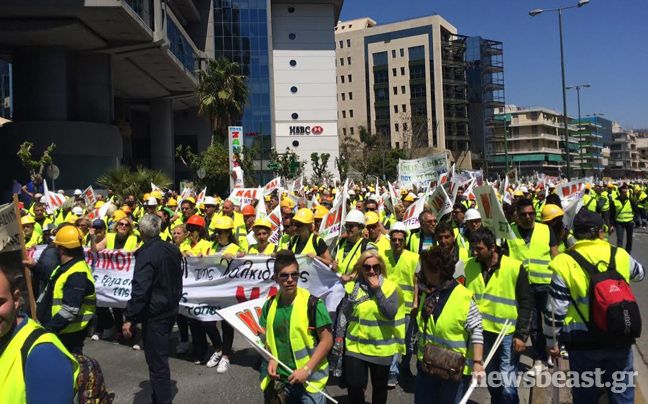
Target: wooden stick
{"type": "Point", "coordinates": [26, 271]}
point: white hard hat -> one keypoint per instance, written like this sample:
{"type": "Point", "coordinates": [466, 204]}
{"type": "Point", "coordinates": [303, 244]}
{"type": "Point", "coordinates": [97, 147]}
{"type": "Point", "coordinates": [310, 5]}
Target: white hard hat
{"type": "Point", "coordinates": [77, 192]}
{"type": "Point", "coordinates": [355, 216]}
{"type": "Point", "coordinates": [351, 192]}
{"type": "Point", "coordinates": [472, 214]}
{"type": "Point", "coordinates": [38, 195]}
{"type": "Point", "coordinates": [151, 201]}
{"type": "Point", "coordinates": [77, 210]}
{"type": "Point", "coordinates": [524, 189]}
{"type": "Point", "coordinates": [43, 199]}
{"type": "Point", "coordinates": [60, 191]}
{"type": "Point", "coordinates": [398, 226]}
{"type": "Point", "coordinates": [209, 200]}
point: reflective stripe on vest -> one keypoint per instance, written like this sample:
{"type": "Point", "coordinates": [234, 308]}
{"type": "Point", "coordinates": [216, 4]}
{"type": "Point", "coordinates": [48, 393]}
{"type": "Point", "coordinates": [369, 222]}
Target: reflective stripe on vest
{"type": "Point", "coordinates": [536, 255]}
{"type": "Point", "coordinates": [12, 377]}
{"type": "Point", "coordinates": [301, 341]}
{"type": "Point", "coordinates": [375, 335]}
{"type": "Point", "coordinates": [448, 331]}
{"type": "Point", "coordinates": [79, 321]}
{"type": "Point", "coordinates": [624, 212]}
{"type": "Point", "coordinates": [402, 273]}
{"type": "Point", "coordinates": [496, 300]}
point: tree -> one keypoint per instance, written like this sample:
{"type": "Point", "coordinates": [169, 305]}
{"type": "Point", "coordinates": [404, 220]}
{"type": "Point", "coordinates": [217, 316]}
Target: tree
{"type": "Point", "coordinates": [222, 94]}
{"type": "Point", "coordinates": [34, 165]}
{"type": "Point", "coordinates": [124, 181]}
{"type": "Point", "coordinates": [286, 164]}
{"type": "Point", "coordinates": [414, 131]}
{"type": "Point", "coordinates": [319, 163]}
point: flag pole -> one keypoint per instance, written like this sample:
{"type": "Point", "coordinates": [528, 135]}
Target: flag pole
{"type": "Point", "coordinates": [23, 255]}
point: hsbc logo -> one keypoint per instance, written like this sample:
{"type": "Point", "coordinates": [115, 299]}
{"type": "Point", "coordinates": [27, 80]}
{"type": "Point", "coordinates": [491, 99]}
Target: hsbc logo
{"type": "Point", "coordinates": [305, 130]}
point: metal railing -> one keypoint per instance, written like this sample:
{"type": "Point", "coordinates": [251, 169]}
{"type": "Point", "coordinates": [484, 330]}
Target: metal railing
{"type": "Point", "coordinates": [144, 9]}
{"type": "Point", "coordinates": [180, 45]}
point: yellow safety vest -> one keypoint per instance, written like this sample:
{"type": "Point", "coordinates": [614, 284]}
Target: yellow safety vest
{"type": "Point", "coordinates": [309, 248]}
{"type": "Point", "coordinates": [302, 341]}
{"type": "Point", "coordinates": [624, 213]}
{"type": "Point", "coordinates": [347, 263]}
{"type": "Point", "coordinates": [448, 331]}
{"type": "Point", "coordinates": [284, 242]}
{"type": "Point", "coordinates": [589, 202]}
{"type": "Point", "coordinates": [606, 201]}
{"type": "Point", "coordinates": [270, 248]}
{"type": "Point", "coordinates": [497, 301]}
{"type": "Point", "coordinates": [402, 273]}
{"type": "Point", "coordinates": [462, 245]}
{"type": "Point", "coordinates": [536, 255]}
{"type": "Point", "coordinates": [414, 242]}
{"type": "Point", "coordinates": [371, 333]}
{"type": "Point", "coordinates": [132, 243]}
{"type": "Point", "coordinates": [577, 281]}
{"type": "Point", "coordinates": [202, 247]}
{"type": "Point", "coordinates": [12, 376]}
{"type": "Point", "coordinates": [88, 307]}
{"type": "Point", "coordinates": [231, 248]}
{"type": "Point", "coordinates": [538, 205]}
{"type": "Point", "coordinates": [382, 244]}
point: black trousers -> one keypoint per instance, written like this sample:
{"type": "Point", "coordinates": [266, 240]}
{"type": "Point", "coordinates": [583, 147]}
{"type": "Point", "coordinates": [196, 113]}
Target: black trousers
{"type": "Point", "coordinates": [200, 330]}
{"type": "Point", "coordinates": [355, 374]}
{"type": "Point", "coordinates": [183, 327]}
{"type": "Point", "coordinates": [156, 350]}
{"type": "Point", "coordinates": [628, 227]}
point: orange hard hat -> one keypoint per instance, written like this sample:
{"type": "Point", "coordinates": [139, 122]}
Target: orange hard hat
{"type": "Point", "coordinates": [248, 210]}
{"type": "Point", "coordinates": [197, 221]}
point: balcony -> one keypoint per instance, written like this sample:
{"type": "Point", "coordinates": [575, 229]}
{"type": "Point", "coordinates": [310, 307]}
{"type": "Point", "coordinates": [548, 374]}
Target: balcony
{"type": "Point", "coordinates": [180, 45]}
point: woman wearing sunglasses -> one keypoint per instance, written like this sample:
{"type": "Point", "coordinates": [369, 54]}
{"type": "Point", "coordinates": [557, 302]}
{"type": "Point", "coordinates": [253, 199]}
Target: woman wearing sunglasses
{"type": "Point", "coordinates": [262, 229]}
{"type": "Point", "coordinates": [224, 240]}
{"type": "Point", "coordinates": [196, 245]}
{"type": "Point", "coordinates": [375, 329]}
{"type": "Point", "coordinates": [121, 238]}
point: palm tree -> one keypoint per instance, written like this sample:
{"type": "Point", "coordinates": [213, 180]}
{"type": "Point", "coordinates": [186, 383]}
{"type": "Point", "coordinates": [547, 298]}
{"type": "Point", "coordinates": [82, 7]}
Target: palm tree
{"type": "Point", "coordinates": [222, 94]}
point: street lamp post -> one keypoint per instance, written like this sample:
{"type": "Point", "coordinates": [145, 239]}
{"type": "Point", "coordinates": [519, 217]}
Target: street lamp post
{"type": "Point", "coordinates": [580, 140]}
{"type": "Point", "coordinates": [533, 13]}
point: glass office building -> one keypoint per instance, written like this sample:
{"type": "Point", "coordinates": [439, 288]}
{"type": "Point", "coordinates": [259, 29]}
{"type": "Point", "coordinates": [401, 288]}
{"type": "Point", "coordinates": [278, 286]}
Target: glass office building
{"type": "Point", "coordinates": [241, 34]}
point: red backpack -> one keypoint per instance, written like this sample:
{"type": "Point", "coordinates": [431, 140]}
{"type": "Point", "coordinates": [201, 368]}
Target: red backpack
{"type": "Point", "coordinates": [614, 313]}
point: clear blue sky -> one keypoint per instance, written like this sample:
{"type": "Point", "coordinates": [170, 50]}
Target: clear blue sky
{"type": "Point", "coordinates": [606, 46]}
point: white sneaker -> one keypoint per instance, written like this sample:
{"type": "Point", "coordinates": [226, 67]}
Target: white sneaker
{"type": "Point", "coordinates": [137, 347]}
{"type": "Point", "coordinates": [223, 365]}
{"type": "Point", "coordinates": [182, 347]}
{"type": "Point", "coordinates": [95, 337]}
{"type": "Point", "coordinates": [537, 368]}
{"type": "Point", "coordinates": [215, 359]}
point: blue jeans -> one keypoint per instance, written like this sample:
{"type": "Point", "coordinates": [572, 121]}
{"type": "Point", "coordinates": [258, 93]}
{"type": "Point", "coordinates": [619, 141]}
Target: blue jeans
{"type": "Point", "coordinates": [297, 394]}
{"type": "Point", "coordinates": [505, 361]}
{"type": "Point", "coordinates": [394, 368]}
{"type": "Point", "coordinates": [431, 389]}
{"type": "Point", "coordinates": [540, 296]}
{"type": "Point", "coordinates": [609, 361]}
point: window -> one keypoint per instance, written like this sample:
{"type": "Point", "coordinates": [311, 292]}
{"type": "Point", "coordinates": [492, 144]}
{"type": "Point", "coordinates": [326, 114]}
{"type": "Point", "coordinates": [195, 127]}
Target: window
{"type": "Point", "coordinates": [402, 89]}
{"type": "Point", "coordinates": [416, 53]}
{"type": "Point", "coordinates": [417, 72]}
{"type": "Point", "coordinates": [398, 145]}
{"type": "Point", "coordinates": [350, 113]}
{"type": "Point", "coordinates": [395, 109]}
{"type": "Point", "coordinates": [348, 60]}
{"type": "Point", "coordinates": [404, 108]}
{"type": "Point", "coordinates": [350, 78]}
{"type": "Point", "coordinates": [341, 61]}
{"type": "Point", "coordinates": [402, 71]}
{"type": "Point", "coordinates": [393, 53]}
{"type": "Point", "coordinates": [402, 52]}
{"type": "Point", "coordinates": [342, 96]}
{"type": "Point", "coordinates": [395, 90]}
{"type": "Point", "coordinates": [396, 127]}
{"type": "Point", "coordinates": [342, 79]}
{"type": "Point", "coordinates": [379, 58]}
{"type": "Point", "coordinates": [394, 72]}
{"type": "Point", "coordinates": [350, 95]}
{"type": "Point", "coordinates": [342, 43]}
{"type": "Point", "coordinates": [351, 130]}
{"type": "Point", "coordinates": [348, 40]}
{"type": "Point", "coordinates": [380, 77]}
{"type": "Point", "coordinates": [417, 90]}
{"type": "Point", "coordinates": [343, 114]}
{"type": "Point", "coordinates": [344, 131]}
{"type": "Point", "coordinates": [404, 125]}
{"type": "Point", "coordinates": [381, 95]}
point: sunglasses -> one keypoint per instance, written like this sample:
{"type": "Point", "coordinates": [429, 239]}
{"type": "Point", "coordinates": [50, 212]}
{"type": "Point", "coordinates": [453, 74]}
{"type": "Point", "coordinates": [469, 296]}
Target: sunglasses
{"type": "Point", "coordinates": [351, 225]}
{"type": "Point", "coordinates": [374, 267]}
{"type": "Point", "coordinates": [285, 276]}
{"type": "Point", "coordinates": [397, 240]}
{"type": "Point", "coordinates": [122, 224]}
{"type": "Point", "coordinates": [527, 213]}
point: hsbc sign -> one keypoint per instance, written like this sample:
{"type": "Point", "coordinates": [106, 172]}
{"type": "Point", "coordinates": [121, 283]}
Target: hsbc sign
{"type": "Point", "coordinates": [305, 130]}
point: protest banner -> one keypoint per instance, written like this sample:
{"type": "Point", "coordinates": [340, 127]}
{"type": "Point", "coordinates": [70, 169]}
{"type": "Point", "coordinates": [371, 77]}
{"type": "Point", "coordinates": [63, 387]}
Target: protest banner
{"type": "Point", "coordinates": [277, 225]}
{"type": "Point", "coordinates": [411, 215]}
{"type": "Point", "coordinates": [492, 213]}
{"type": "Point", "coordinates": [53, 200]}
{"type": "Point", "coordinates": [271, 186]}
{"type": "Point", "coordinates": [200, 198]}
{"type": "Point", "coordinates": [439, 202]}
{"type": "Point", "coordinates": [245, 196]}
{"type": "Point", "coordinates": [234, 148]}
{"type": "Point", "coordinates": [420, 172]}
{"type": "Point", "coordinates": [572, 208]}
{"type": "Point", "coordinates": [571, 189]}
{"type": "Point", "coordinates": [89, 196]}
{"type": "Point", "coordinates": [9, 228]}
{"type": "Point", "coordinates": [331, 226]}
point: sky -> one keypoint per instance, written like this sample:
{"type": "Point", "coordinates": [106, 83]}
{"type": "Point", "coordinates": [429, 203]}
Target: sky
{"type": "Point", "coordinates": [606, 46]}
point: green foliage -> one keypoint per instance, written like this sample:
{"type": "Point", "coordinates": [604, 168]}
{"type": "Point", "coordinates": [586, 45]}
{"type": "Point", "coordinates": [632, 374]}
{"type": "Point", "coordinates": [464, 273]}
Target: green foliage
{"type": "Point", "coordinates": [34, 165]}
{"type": "Point", "coordinates": [319, 164]}
{"type": "Point", "coordinates": [124, 181]}
{"type": "Point", "coordinates": [371, 155]}
{"type": "Point", "coordinates": [222, 94]}
{"type": "Point", "coordinates": [287, 164]}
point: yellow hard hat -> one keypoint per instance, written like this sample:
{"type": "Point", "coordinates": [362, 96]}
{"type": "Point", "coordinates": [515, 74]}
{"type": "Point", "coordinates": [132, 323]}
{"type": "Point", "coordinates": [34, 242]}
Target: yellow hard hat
{"type": "Point", "coordinates": [588, 185]}
{"type": "Point", "coordinates": [320, 212]}
{"type": "Point", "coordinates": [223, 223]}
{"type": "Point", "coordinates": [69, 237]}
{"type": "Point", "coordinates": [550, 212]}
{"type": "Point", "coordinates": [99, 204]}
{"type": "Point", "coordinates": [146, 196]}
{"type": "Point", "coordinates": [518, 193]}
{"type": "Point", "coordinates": [304, 215]}
{"type": "Point", "coordinates": [189, 199]}
{"type": "Point", "coordinates": [156, 194]}
{"type": "Point", "coordinates": [287, 202]}
{"type": "Point", "coordinates": [637, 188]}
{"type": "Point", "coordinates": [172, 203]}
{"type": "Point", "coordinates": [409, 198]}
{"type": "Point", "coordinates": [118, 215]}
{"type": "Point", "coordinates": [371, 218]}
{"type": "Point", "coordinates": [27, 220]}
{"type": "Point", "coordinates": [610, 185]}
{"type": "Point", "coordinates": [262, 222]}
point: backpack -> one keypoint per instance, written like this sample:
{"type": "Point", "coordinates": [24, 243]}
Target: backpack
{"type": "Point", "coordinates": [614, 313]}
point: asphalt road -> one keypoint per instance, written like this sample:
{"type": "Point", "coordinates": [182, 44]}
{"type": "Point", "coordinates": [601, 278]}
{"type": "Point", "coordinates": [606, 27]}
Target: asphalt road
{"type": "Point", "coordinates": [126, 372]}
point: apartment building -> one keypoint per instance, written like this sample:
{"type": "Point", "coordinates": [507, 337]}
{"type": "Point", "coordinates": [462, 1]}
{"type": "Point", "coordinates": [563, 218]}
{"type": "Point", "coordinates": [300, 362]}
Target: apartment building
{"type": "Point", "coordinates": [625, 156]}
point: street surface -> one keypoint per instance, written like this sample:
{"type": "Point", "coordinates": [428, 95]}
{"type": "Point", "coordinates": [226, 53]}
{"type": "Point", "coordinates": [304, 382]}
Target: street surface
{"type": "Point", "coordinates": [126, 372]}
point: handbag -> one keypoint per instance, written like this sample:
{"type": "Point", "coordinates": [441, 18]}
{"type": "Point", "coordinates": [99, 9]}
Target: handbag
{"type": "Point", "coordinates": [441, 362]}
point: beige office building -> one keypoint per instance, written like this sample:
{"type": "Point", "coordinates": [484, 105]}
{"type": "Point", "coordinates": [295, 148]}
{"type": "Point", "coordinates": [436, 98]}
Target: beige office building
{"type": "Point", "coordinates": [405, 80]}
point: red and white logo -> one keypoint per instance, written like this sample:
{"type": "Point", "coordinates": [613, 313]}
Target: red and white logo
{"type": "Point", "coordinates": [317, 130]}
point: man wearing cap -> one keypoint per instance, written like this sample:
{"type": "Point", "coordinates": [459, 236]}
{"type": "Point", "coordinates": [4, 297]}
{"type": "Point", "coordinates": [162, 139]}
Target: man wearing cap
{"type": "Point", "coordinates": [473, 222]}
{"type": "Point", "coordinates": [375, 231]}
{"type": "Point", "coordinates": [239, 223]}
{"type": "Point", "coordinates": [68, 302]}
{"type": "Point", "coordinates": [567, 311]}
{"type": "Point", "coordinates": [305, 241]}
{"type": "Point", "coordinates": [402, 266]}
{"type": "Point", "coordinates": [353, 245]}
{"type": "Point", "coordinates": [32, 238]}
{"type": "Point", "coordinates": [210, 209]}
{"type": "Point", "coordinates": [623, 218]}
